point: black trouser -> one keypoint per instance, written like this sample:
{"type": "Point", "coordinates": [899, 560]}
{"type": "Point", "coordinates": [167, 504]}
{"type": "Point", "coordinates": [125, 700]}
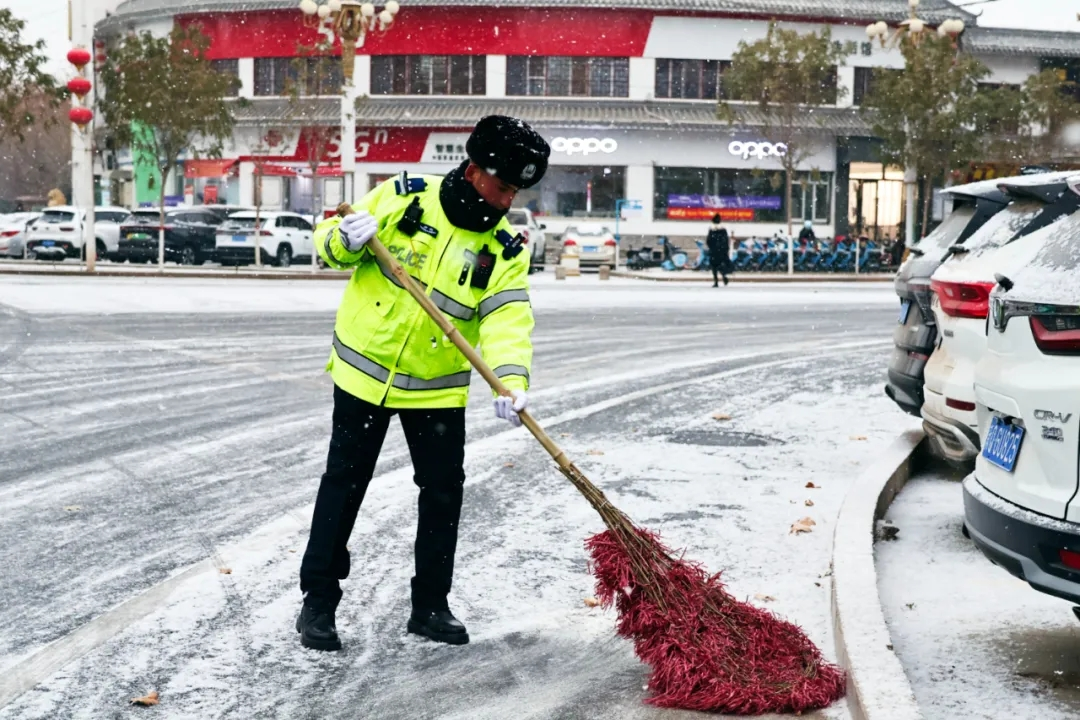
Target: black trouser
{"type": "Point", "coordinates": [436, 440]}
{"type": "Point", "coordinates": [719, 268]}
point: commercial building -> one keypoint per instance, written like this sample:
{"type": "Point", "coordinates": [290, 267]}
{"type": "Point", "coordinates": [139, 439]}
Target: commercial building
{"type": "Point", "coordinates": [624, 91]}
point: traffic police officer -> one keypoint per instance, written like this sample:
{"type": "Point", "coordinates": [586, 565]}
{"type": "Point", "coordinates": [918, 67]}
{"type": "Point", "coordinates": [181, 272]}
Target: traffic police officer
{"type": "Point", "coordinates": [389, 358]}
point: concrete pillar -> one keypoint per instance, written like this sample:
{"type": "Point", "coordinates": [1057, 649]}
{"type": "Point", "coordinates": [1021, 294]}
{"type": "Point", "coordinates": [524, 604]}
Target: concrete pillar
{"type": "Point", "coordinates": [845, 84]}
{"type": "Point", "coordinates": [362, 75]}
{"type": "Point", "coordinates": [642, 78]}
{"type": "Point", "coordinates": [496, 76]}
{"type": "Point", "coordinates": [247, 184]}
{"type": "Point", "coordinates": [245, 69]}
{"type": "Point", "coordinates": [639, 186]}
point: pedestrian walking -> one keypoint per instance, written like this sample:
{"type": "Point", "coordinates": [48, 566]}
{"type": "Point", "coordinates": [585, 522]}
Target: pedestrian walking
{"type": "Point", "coordinates": [719, 251]}
{"type": "Point", "coordinates": [389, 358]}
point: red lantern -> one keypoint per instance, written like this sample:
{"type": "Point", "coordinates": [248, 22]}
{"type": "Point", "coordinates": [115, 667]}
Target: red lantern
{"type": "Point", "coordinates": [81, 116]}
{"type": "Point", "coordinates": [78, 57]}
{"type": "Point", "coordinates": [78, 86]}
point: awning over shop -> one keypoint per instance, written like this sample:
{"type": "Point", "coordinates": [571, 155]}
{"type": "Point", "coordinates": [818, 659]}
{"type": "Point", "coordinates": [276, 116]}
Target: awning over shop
{"type": "Point", "coordinates": [272, 170]}
{"type": "Point", "coordinates": [207, 168]}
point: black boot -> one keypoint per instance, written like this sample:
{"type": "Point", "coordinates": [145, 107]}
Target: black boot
{"type": "Point", "coordinates": [439, 625]}
{"type": "Point", "coordinates": [316, 628]}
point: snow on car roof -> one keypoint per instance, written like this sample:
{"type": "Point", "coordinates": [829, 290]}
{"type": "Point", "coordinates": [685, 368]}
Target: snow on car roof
{"type": "Point", "coordinates": [1053, 275]}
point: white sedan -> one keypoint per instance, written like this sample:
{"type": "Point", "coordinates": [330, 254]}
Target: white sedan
{"type": "Point", "coordinates": [13, 230]}
{"type": "Point", "coordinates": [282, 238]}
{"type": "Point", "coordinates": [1020, 505]}
{"type": "Point", "coordinates": [595, 244]}
{"type": "Point", "coordinates": [57, 234]}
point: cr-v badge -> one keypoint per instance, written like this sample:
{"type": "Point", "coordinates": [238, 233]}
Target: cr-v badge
{"type": "Point", "coordinates": [1049, 415]}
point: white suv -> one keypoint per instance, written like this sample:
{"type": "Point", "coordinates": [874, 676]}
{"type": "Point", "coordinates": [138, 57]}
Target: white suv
{"type": "Point", "coordinates": [57, 234]}
{"type": "Point", "coordinates": [1020, 504]}
{"type": "Point", "coordinates": [283, 238]}
{"type": "Point", "coordinates": [961, 302]}
{"type": "Point", "coordinates": [524, 222]}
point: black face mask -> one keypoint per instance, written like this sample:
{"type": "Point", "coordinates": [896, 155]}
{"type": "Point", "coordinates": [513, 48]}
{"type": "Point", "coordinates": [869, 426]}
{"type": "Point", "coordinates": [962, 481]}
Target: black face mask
{"type": "Point", "coordinates": [463, 205]}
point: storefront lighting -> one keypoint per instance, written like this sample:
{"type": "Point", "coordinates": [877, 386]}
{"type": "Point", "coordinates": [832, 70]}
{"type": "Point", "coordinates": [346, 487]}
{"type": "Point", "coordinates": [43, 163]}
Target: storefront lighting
{"type": "Point", "coordinates": [912, 27]}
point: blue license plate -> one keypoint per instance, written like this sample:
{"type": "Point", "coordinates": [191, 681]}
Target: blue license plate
{"type": "Point", "coordinates": [589, 248]}
{"type": "Point", "coordinates": [48, 243]}
{"type": "Point", "coordinates": [1002, 445]}
{"type": "Point", "coordinates": [239, 238]}
{"type": "Point", "coordinates": [905, 310]}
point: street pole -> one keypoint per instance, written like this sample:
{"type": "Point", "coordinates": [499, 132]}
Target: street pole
{"type": "Point", "coordinates": [618, 237]}
{"type": "Point", "coordinates": [348, 142]}
{"type": "Point", "coordinates": [910, 178]}
{"type": "Point", "coordinates": [82, 158]}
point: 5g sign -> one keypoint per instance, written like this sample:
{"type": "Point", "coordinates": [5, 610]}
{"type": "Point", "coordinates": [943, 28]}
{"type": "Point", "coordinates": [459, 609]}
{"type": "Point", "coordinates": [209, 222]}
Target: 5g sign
{"type": "Point", "coordinates": [585, 146]}
{"type": "Point", "coordinates": [757, 150]}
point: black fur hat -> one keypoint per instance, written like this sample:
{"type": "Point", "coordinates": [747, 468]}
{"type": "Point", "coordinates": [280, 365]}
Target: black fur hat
{"type": "Point", "coordinates": [509, 149]}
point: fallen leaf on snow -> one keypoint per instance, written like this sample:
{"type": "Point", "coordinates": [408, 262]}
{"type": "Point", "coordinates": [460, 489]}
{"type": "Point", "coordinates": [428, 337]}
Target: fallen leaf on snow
{"type": "Point", "coordinates": [595, 452]}
{"type": "Point", "coordinates": [591, 602]}
{"type": "Point", "coordinates": [857, 437]}
{"type": "Point", "coordinates": [292, 551]}
{"type": "Point", "coordinates": [73, 508]}
{"type": "Point", "coordinates": [802, 526]}
{"type": "Point", "coordinates": [812, 485]}
{"type": "Point", "coordinates": [225, 571]}
{"type": "Point", "coordinates": [809, 503]}
{"type": "Point", "coordinates": [764, 598]}
{"type": "Point", "coordinates": [721, 416]}
{"type": "Point", "coordinates": [150, 698]}
{"type": "Point", "coordinates": [508, 465]}
{"type": "Point", "coordinates": [564, 434]}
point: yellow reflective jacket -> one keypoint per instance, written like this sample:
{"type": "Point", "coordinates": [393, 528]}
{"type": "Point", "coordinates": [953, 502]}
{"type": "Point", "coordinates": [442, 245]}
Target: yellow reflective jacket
{"type": "Point", "coordinates": [386, 349]}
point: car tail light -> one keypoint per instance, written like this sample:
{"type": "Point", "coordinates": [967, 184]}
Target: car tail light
{"type": "Point", "coordinates": [959, 404]}
{"type": "Point", "coordinates": [609, 243]}
{"type": "Point", "coordinates": [525, 237]}
{"type": "Point", "coordinates": [265, 233]}
{"type": "Point", "coordinates": [1056, 334]}
{"type": "Point", "coordinates": [9, 233]}
{"type": "Point", "coordinates": [67, 228]}
{"type": "Point", "coordinates": [569, 241]}
{"type": "Point", "coordinates": [963, 299]}
{"type": "Point", "coordinates": [1070, 559]}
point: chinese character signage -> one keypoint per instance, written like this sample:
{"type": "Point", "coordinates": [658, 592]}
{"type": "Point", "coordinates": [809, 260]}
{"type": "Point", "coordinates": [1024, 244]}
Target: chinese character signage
{"type": "Point", "coordinates": [730, 207]}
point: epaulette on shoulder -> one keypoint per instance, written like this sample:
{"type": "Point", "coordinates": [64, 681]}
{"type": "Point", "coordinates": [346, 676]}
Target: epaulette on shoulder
{"type": "Point", "coordinates": [405, 185]}
{"type": "Point", "coordinates": [512, 244]}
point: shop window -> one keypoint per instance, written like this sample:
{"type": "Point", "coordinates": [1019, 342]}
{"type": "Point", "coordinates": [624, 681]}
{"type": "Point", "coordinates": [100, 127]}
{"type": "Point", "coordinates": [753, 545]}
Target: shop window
{"type": "Point", "coordinates": [1068, 72]}
{"type": "Point", "coordinates": [700, 193]}
{"type": "Point", "coordinates": [811, 197]}
{"type": "Point", "coordinates": [232, 69]}
{"type": "Point", "coordinates": [578, 192]}
{"type": "Point", "coordinates": [311, 75]}
{"type": "Point", "coordinates": [864, 83]}
{"type": "Point", "coordinates": [564, 76]}
{"type": "Point", "coordinates": [690, 79]}
{"type": "Point", "coordinates": [428, 75]}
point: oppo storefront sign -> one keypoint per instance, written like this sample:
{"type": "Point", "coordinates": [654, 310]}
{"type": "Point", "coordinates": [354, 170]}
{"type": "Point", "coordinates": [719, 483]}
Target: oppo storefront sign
{"type": "Point", "coordinates": [759, 150]}
{"type": "Point", "coordinates": [584, 145]}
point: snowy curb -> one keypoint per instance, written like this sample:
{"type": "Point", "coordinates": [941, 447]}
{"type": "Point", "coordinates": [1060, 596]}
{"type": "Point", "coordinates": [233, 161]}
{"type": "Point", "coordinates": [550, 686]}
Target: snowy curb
{"type": "Point", "coordinates": [737, 278]}
{"type": "Point", "coordinates": [878, 689]}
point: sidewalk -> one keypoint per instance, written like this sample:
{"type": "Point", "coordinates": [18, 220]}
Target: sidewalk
{"type": "Point", "coordinates": [305, 272]}
{"type": "Point", "coordinates": [704, 276]}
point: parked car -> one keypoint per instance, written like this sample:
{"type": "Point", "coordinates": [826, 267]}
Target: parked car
{"type": "Point", "coordinates": [595, 244]}
{"type": "Point", "coordinates": [524, 222]}
{"type": "Point", "coordinates": [224, 211]}
{"type": "Point", "coordinates": [189, 236]}
{"type": "Point", "coordinates": [1020, 505]}
{"type": "Point", "coordinates": [961, 301]}
{"type": "Point", "coordinates": [14, 228]}
{"type": "Point", "coordinates": [57, 234]}
{"type": "Point", "coordinates": [284, 237]}
{"type": "Point", "coordinates": [915, 335]}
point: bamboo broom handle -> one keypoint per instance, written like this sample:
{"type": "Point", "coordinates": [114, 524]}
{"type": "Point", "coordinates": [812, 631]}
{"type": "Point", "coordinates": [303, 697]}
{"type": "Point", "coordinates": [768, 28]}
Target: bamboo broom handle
{"type": "Point", "coordinates": [413, 288]}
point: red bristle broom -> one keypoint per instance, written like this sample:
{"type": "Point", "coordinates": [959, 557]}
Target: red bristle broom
{"type": "Point", "coordinates": [708, 651]}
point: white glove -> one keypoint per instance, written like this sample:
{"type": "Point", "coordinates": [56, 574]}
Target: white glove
{"type": "Point", "coordinates": [508, 408]}
{"type": "Point", "coordinates": [357, 229]}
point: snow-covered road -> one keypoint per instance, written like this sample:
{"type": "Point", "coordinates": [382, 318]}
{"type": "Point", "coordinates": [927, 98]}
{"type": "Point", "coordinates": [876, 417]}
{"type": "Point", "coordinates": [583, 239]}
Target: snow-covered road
{"type": "Point", "coordinates": [158, 423]}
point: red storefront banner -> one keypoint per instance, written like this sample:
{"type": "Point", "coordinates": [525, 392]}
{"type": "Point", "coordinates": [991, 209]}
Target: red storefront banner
{"type": "Point", "coordinates": [726, 214]}
{"type": "Point", "coordinates": [404, 145]}
{"type": "Point", "coordinates": [439, 31]}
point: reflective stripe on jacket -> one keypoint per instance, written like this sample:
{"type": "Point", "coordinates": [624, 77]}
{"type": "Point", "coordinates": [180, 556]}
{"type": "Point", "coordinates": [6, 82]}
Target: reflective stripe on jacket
{"type": "Point", "coordinates": [386, 350]}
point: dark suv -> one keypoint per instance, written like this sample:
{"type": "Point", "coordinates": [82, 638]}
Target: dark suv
{"type": "Point", "coordinates": [916, 333]}
{"type": "Point", "coordinates": [190, 236]}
